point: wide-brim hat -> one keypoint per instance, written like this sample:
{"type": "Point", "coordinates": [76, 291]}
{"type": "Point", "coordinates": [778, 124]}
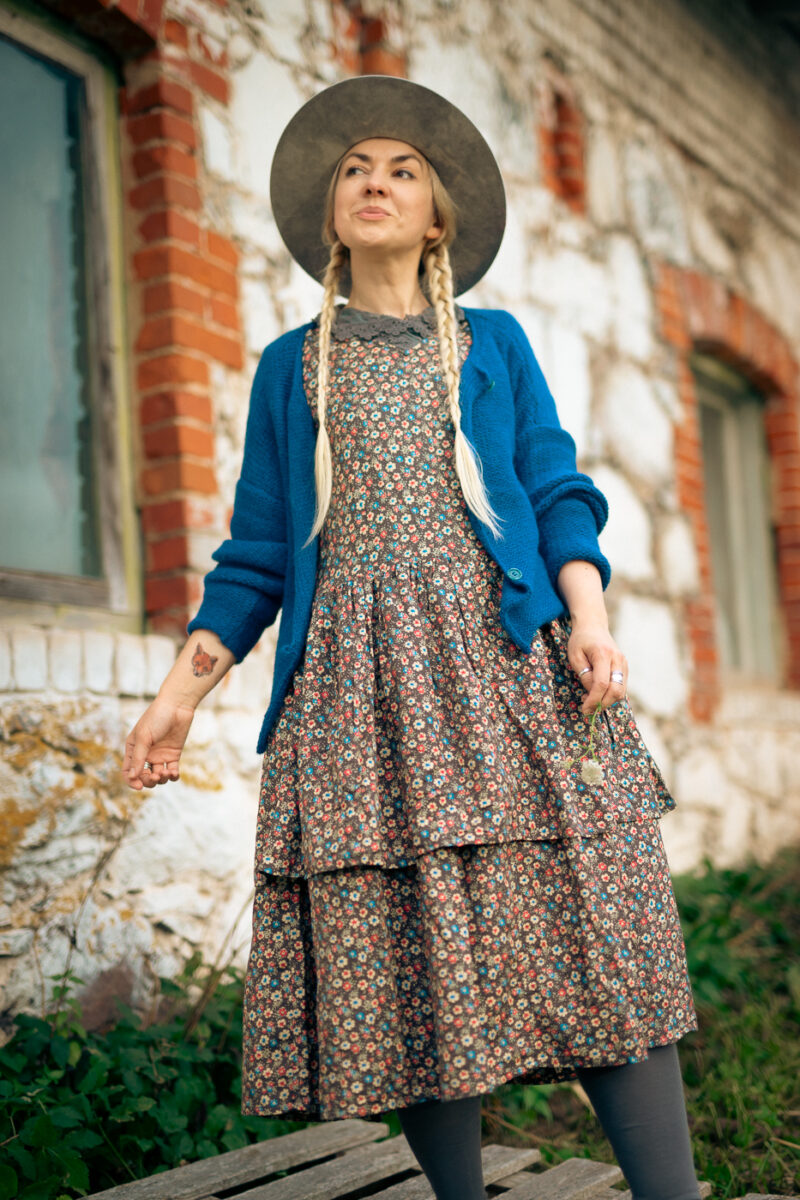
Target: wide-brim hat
{"type": "Point", "coordinates": [384, 106]}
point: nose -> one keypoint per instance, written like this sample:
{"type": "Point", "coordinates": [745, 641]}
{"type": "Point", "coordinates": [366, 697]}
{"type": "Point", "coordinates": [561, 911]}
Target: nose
{"type": "Point", "coordinates": [374, 184]}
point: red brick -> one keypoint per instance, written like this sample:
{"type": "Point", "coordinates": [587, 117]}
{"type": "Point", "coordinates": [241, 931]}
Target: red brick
{"type": "Point", "coordinates": [222, 248]}
{"type": "Point", "coordinates": [372, 31]}
{"type": "Point", "coordinates": [169, 516]}
{"type": "Point", "coordinates": [211, 82]}
{"type": "Point", "coordinates": [161, 297]}
{"type": "Point", "coordinates": [179, 475]}
{"type": "Point", "coordinates": [169, 554]}
{"type": "Point", "coordinates": [166, 406]}
{"type": "Point", "coordinates": [175, 330]}
{"type": "Point", "coordinates": [173, 591]}
{"type": "Point", "coordinates": [171, 368]}
{"type": "Point", "coordinates": [223, 313]}
{"type": "Point", "coordinates": [169, 225]}
{"type": "Point", "coordinates": [161, 125]}
{"type": "Point", "coordinates": [171, 441]}
{"type": "Point", "coordinates": [166, 60]}
{"type": "Point", "coordinates": [157, 261]}
{"type": "Point", "coordinates": [156, 159]}
{"type": "Point", "coordinates": [165, 189]}
{"type": "Point", "coordinates": [377, 61]}
{"type": "Point", "coordinates": [177, 33]}
{"type": "Point", "coordinates": [164, 93]}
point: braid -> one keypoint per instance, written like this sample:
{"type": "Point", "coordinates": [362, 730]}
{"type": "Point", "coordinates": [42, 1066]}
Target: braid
{"type": "Point", "coordinates": [468, 467]}
{"type": "Point", "coordinates": [323, 467]}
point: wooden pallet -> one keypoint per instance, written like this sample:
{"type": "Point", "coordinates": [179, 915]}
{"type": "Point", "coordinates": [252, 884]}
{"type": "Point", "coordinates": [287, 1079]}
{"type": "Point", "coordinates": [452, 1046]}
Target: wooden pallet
{"type": "Point", "coordinates": [355, 1160]}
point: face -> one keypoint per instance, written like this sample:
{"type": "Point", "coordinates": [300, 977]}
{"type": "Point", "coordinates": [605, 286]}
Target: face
{"type": "Point", "coordinates": [383, 199]}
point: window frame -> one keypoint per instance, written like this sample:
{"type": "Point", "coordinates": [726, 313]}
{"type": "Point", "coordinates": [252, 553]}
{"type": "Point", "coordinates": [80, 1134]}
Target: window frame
{"type": "Point", "coordinates": [723, 387]}
{"type": "Point", "coordinates": [113, 592]}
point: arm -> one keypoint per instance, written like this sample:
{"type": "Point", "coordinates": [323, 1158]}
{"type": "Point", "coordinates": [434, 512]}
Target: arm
{"type": "Point", "coordinates": [159, 735]}
{"type": "Point", "coordinates": [243, 594]}
{"type": "Point", "coordinates": [590, 643]}
{"type": "Point", "coordinates": [242, 597]}
{"type": "Point", "coordinates": [570, 510]}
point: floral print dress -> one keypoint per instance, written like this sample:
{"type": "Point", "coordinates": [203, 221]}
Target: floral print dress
{"type": "Point", "coordinates": [443, 904]}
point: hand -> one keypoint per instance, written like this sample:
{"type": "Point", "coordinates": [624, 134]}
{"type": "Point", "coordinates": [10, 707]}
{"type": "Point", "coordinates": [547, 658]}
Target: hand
{"type": "Point", "coordinates": [592, 646]}
{"type": "Point", "coordinates": [157, 738]}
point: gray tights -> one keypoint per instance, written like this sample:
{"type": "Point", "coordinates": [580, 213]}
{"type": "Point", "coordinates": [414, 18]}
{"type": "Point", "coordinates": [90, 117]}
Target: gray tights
{"type": "Point", "coordinates": [642, 1110]}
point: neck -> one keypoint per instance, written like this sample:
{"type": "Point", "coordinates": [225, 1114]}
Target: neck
{"type": "Point", "coordinates": [388, 287]}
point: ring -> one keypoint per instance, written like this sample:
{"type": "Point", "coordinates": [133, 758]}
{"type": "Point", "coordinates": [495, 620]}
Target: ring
{"type": "Point", "coordinates": [583, 672]}
{"type": "Point", "coordinates": [617, 676]}
{"type": "Point", "coordinates": [148, 766]}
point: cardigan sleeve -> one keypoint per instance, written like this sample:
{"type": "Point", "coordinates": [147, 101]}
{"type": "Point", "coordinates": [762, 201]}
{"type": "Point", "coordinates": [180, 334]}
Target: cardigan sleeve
{"type": "Point", "coordinates": [243, 594]}
{"type": "Point", "coordinates": [570, 510]}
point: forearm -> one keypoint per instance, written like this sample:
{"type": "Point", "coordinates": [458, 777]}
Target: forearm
{"type": "Point", "coordinates": [202, 662]}
{"type": "Point", "coordinates": [581, 587]}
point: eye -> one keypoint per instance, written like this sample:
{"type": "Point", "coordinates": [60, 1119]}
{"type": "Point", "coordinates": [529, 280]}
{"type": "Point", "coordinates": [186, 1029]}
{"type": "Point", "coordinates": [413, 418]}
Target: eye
{"type": "Point", "coordinates": [351, 170]}
{"type": "Point", "coordinates": [405, 171]}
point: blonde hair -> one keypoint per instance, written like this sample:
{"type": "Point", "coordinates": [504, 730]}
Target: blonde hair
{"type": "Point", "coordinates": [438, 284]}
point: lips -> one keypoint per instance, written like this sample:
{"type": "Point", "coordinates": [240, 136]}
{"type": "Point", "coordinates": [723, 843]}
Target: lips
{"type": "Point", "coordinates": [372, 212]}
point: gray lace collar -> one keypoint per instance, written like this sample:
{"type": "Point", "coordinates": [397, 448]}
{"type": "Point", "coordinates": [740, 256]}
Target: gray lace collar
{"type": "Point", "coordinates": [355, 322]}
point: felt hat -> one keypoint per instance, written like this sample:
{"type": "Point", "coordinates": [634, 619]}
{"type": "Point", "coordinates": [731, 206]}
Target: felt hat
{"type": "Point", "coordinates": [368, 106]}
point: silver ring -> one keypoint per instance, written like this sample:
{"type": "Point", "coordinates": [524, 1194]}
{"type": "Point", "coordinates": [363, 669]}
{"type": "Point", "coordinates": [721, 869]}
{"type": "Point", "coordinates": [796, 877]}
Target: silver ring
{"type": "Point", "coordinates": [148, 766]}
{"type": "Point", "coordinates": [617, 676]}
{"type": "Point", "coordinates": [583, 672]}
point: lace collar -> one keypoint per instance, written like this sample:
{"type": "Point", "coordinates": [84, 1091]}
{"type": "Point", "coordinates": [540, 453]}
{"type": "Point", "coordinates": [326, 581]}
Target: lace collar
{"type": "Point", "coordinates": [355, 322]}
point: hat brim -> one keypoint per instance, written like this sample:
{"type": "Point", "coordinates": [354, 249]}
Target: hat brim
{"type": "Point", "coordinates": [384, 106]}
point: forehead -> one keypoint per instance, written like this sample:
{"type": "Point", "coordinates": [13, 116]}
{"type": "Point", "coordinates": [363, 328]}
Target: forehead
{"type": "Point", "coordinates": [381, 147]}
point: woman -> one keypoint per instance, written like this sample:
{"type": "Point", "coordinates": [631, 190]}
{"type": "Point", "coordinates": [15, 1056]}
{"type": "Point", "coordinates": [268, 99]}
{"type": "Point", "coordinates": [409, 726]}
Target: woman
{"type": "Point", "coordinates": [460, 879]}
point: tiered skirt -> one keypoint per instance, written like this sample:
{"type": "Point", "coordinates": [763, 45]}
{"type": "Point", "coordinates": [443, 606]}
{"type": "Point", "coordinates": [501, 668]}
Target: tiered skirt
{"type": "Point", "coordinates": [443, 904]}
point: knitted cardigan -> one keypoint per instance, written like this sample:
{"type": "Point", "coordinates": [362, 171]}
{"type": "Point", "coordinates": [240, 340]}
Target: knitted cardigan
{"type": "Point", "coordinates": [550, 513]}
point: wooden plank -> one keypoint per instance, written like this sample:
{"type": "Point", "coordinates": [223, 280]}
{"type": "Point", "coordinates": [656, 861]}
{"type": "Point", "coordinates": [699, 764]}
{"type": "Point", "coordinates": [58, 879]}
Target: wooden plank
{"type": "Point", "coordinates": [235, 1167]}
{"type": "Point", "coordinates": [340, 1176]}
{"type": "Point", "coordinates": [512, 1181]}
{"type": "Point", "coordinates": [498, 1161]}
{"type": "Point", "coordinates": [703, 1185]}
{"type": "Point", "coordinates": [573, 1179]}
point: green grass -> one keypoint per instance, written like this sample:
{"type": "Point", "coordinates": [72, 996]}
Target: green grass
{"type": "Point", "coordinates": [81, 1111]}
{"type": "Point", "coordinates": [741, 1068]}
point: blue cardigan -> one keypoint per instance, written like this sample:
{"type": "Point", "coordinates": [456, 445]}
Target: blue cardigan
{"type": "Point", "coordinates": [551, 512]}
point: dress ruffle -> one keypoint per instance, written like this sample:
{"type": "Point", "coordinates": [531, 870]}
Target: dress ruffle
{"type": "Point", "coordinates": [415, 723]}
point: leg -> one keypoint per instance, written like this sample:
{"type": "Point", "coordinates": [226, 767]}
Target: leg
{"type": "Point", "coordinates": [642, 1109]}
{"type": "Point", "coordinates": [445, 1136]}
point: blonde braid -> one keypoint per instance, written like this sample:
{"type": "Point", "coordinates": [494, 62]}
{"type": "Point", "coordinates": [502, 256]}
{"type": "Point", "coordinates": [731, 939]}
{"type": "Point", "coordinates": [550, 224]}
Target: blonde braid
{"type": "Point", "coordinates": [468, 467]}
{"type": "Point", "coordinates": [323, 465]}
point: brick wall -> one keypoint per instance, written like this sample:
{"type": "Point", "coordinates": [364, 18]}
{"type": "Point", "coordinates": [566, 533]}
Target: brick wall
{"type": "Point", "coordinates": [184, 310]}
{"type": "Point", "coordinates": [368, 38]}
{"type": "Point", "coordinates": [699, 311]}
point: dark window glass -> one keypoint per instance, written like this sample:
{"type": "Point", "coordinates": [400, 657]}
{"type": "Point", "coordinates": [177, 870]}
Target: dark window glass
{"type": "Point", "coordinates": [738, 505]}
{"type": "Point", "coordinates": [48, 492]}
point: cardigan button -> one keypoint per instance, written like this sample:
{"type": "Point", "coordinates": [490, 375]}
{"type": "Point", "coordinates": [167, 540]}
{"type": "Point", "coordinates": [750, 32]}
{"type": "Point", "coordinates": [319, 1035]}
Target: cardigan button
{"type": "Point", "coordinates": [514, 573]}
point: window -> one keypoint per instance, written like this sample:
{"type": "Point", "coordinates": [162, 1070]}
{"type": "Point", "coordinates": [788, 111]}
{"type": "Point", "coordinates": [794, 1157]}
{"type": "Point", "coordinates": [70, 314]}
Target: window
{"type": "Point", "coordinates": [61, 494]}
{"type": "Point", "coordinates": [738, 505]}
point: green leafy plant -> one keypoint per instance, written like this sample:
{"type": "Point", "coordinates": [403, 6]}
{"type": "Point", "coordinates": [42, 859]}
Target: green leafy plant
{"type": "Point", "coordinates": [81, 1111]}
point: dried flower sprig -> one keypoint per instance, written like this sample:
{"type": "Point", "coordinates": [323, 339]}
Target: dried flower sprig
{"type": "Point", "coordinates": [591, 770]}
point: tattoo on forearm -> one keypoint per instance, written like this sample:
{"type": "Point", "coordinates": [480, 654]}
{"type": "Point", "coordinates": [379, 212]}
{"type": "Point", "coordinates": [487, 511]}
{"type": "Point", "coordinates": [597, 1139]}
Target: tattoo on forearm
{"type": "Point", "coordinates": [202, 663]}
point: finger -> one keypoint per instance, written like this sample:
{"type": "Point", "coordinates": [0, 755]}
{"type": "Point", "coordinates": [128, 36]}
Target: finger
{"type": "Point", "coordinates": [586, 678]}
{"type": "Point", "coordinates": [617, 683]}
{"type": "Point", "coordinates": [600, 678]}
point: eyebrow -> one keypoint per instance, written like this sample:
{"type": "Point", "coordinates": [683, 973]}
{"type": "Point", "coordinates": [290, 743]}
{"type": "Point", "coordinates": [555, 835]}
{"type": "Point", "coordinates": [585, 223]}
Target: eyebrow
{"type": "Point", "coordinates": [395, 158]}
